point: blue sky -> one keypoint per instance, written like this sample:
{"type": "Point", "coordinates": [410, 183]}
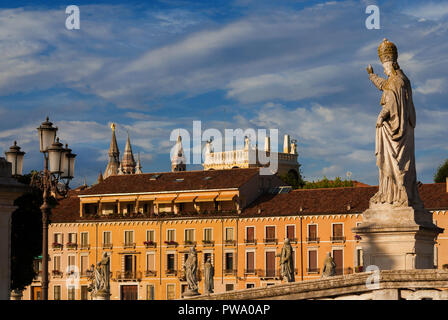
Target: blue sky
{"type": "Point", "coordinates": [152, 67]}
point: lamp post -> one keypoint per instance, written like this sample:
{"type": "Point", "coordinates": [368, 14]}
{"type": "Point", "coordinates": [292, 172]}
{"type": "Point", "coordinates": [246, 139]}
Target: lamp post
{"type": "Point", "coordinates": [59, 166]}
{"type": "Point", "coordinates": [15, 156]}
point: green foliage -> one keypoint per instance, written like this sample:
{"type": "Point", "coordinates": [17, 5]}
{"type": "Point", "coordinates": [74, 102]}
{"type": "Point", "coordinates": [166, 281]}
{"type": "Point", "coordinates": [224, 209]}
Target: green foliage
{"type": "Point", "coordinates": [26, 236]}
{"type": "Point", "coordinates": [442, 173]}
{"type": "Point", "coordinates": [293, 180]}
{"type": "Point", "coordinates": [325, 183]}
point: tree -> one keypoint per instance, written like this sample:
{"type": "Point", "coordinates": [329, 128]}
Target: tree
{"type": "Point", "coordinates": [26, 236]}
{"type": "Point", "coordinates": [325, 183]}
{"type": "Point", "coordinates": [442, 173]}
{"type": "Point", "coordinates": [293, 179]}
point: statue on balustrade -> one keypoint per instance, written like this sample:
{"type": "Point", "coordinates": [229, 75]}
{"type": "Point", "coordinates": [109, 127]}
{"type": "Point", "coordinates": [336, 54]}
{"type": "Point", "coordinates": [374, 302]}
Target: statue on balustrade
{"type": "Point", "coordinates": [191, 268]}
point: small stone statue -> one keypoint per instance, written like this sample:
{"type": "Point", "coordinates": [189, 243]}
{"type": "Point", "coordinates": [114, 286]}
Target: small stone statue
{"type": "Point", "coordinates": [191, 268]}
{"type": "Point", "coordinates": [101, 277]}
{"type": "Point", "coordinates": [329, 268]}
{"type": "Point", "coordinates": [209, 272]}
{"type": "Point", "coordinates": [286, 262]}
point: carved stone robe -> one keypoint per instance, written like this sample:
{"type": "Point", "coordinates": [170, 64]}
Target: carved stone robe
{"type": "Point", "coordinates": [394, 143]}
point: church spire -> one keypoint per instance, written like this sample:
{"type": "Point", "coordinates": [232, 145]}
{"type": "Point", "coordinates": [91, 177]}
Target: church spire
{"type": "Point", "coordinates": [128, 163]}
{"type": "Point", "coordinates": [138, 169]}
{"type": "Point", "coordinates": [178, 162]}
{"type": "Point", "coordinates": [114, 156]}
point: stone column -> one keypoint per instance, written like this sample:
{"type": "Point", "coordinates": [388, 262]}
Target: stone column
{"type": "Point", "coordinates": [10, 190]}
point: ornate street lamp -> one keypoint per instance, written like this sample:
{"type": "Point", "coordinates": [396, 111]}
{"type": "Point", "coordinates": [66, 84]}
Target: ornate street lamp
{"type": "Point", "coordinates": [15, 156]}
{"type": "Point", "coordinates": [54, 180]}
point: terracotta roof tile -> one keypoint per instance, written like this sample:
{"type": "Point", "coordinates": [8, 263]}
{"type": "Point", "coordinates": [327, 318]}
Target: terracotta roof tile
{"type": "Point", "coordinates": [173, 181]}
{"type": "Point", "coordinates": [336, 200]}
{"type": "Point", "coordinates": [312, 201]}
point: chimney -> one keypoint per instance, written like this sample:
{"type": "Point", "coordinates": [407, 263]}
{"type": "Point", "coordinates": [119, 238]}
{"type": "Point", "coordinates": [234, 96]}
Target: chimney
{"type": "Point", "coordinates": [267, 144]}
{"type": "Point", "coordinates": [286, 144]}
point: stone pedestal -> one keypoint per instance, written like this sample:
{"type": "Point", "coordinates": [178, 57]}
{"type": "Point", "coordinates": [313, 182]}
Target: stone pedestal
{"type": "Point", "coordinates": [400, 238]}
{"type": "Point", "coordinates": [190, 293]}
{"type": "Point", "coordinates": [10, 190]}
{"type": "Point", "coordinates": [101, 295]}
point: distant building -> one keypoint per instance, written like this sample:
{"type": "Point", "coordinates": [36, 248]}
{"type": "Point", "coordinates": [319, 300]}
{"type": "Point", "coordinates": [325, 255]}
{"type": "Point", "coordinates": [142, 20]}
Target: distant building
{"type": "Point", "coordinates": [248, 157]}
{"type": "Point", "coordinates": [238, 218]}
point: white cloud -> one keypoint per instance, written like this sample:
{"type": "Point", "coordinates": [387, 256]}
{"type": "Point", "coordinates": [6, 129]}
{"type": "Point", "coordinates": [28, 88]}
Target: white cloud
{"type": "Point", "coordinates": [432, 86]}
{"type": "Point", "coordinates": [429, 10]}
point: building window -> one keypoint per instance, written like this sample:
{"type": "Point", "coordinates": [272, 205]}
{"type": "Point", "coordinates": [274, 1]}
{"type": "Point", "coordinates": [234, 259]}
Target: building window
{"type": "Point", "coordinates": [84, 265]}
{"type": "Point", "coordinates": [291, 233]}
{"type": "Point", "coordinates": [71, 265]}
{"type": "Point", "coordinates": [229, 286]}
{"type": "Point", "coordinates": [270, 235]}
{"type": "Point", "coordinates": [129, 239]}
{"type": "Point", "coordinates": [150, 293]}
{"type": "Point", "coordinates": [170, 262]}
{"type": "Point", "coordinates": [170, 291]}
{"type": "Point", "coordinates": [71, 293]}
{"type": "Point", "coordinates": [57, 240]}
{"type": "Point", "coordinates": [312, 261]}
{"type": "Point", "coordinates": [270, 264]}
{"type": "Point", "coordinates": [71, 238]}
{"type": "Point", "coordinates": [150, 264]}
{"type": "Point", "coordinates": [338, 257]}
{"type": "Point", "coordinates": [229, 263]}
{"type": "Point", "coordinates": [84, 240]}
{"type": "Point", "coordinates": [250, 262]}
{"type": "Point", "coordinates": [150, 235]}
{"type": "Point", "coordinates": [338, 233]}
{"type": "Point", "coordinates": [250, 285]}
{"type": "Point", "coordinates": [84, 293]}
{"type": "Point", "coordinates": [56, 264]}
{"type": "Point", "coordinates": [57, 292]}
{"type": "Point", "coordinates": [208, 237]}
{"type": "Point", "coordinates": [171, 235]}
{"type": "Point", "coordinates": [229, 234]}
{"type": "Point", "coordinates": [359, 263]}
{"type": "Point", "coordinates": [312, 233]}
{"type": "Point", "coordinates": [189, 236]}
{"type": "Point", "coordinates": [107, 239]}
{"type": "Point", "coordinates": [250, 235]}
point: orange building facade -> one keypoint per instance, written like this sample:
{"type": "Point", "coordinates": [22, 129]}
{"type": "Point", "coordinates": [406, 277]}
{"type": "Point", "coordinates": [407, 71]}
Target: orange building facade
{"type": "Point", "coordinates": [147, 223]}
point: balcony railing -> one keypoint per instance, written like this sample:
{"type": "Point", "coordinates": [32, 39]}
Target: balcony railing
{"type": "Point", "coordinates": [312, 270]}
{"type": "Point", "coordinates": [128, 275]}
{"type": "Point", "coordinates": [312, 239]}
{"type": "Point", "coordinates": [251, 272]}
{"type": "Point", "coordinates": [150, 244]}
{"type": "Point", "coordinates": [150, 273]}
{"type": "Point", "coordinates": [189, 243]}
{"type": "Point", "coordinates": [270, 241]}
{"type": "Point", "coordinates": [57, 246]}
{"type": "Point", "coordinates": [171, 272]}
{"type": "Point", "coordinates": [338, 239]}
{"type": "Point", "coordinates": [292, 240]}
{"type": "Point", "coordinates": [208, 243]}
{"type": "Point", "coordinates": [171, 243]}
{"type": "Point", "coordinates": [250, 241]}
{"type": "Point", "coordinates": [230, 272]}
{"type": "Point", "coordinates": [129, 245]}
{"type": "Point", "coordinates": [269, 274]}
{"type": "Point", "coordinates": [229, 242]}
{"type": "Point", "coordinates": [84, 246]}
{"type": "Point", "coordinates": [107, 246]}
{"type": "Point", "coordinates": [57, 274]}
{"type": "Point", "coordinates": [71, 245]}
